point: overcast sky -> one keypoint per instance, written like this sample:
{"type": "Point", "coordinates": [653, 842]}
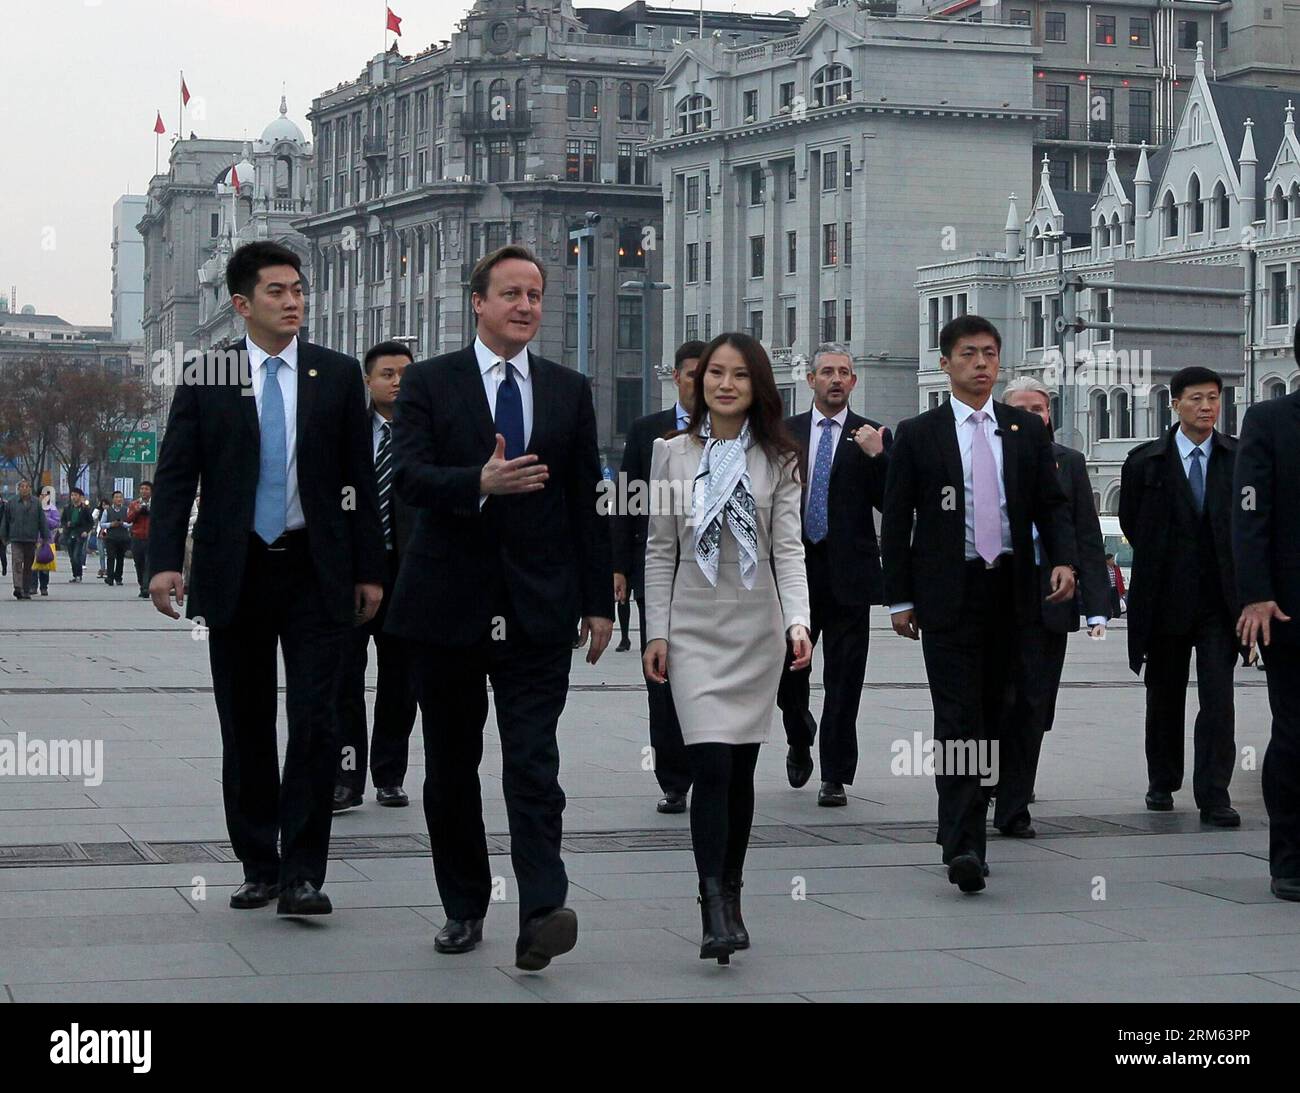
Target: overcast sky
{"type": "Point", "coordinates": [83, 78]}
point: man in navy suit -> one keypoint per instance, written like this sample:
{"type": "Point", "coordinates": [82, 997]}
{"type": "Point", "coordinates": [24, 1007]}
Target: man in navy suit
{"type": "Point", "coordinates": [496, 450]}
{"type": "Point", "coordinates": [288, 552]}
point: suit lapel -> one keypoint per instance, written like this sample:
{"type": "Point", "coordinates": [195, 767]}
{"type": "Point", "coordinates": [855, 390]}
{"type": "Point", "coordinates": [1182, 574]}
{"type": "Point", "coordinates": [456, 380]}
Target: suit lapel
{"type": "Point", "coordinates": [1010, 455]}
{"type": "Point", "coordinates": [945, 428]}
{"type": "Point", "coordinates": [542, 407]}
{"type": "Point", "coordinates": [308, 384]}
{"type": "Point", "coordinates": [248, 407]}
{"type": "Point", "coordinates": [1174, 468]}
{"type": "Point", "coordinates": [471, 385]}
{"type": "Point", "coordinates": [851, 422]}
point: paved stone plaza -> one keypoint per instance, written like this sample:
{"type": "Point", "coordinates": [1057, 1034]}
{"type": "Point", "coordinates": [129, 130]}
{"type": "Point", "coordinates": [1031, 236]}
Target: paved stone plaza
{"type": "Point", "coordinates": [98, 894]}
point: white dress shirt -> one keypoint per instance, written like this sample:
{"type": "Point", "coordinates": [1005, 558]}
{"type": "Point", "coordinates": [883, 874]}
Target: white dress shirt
{"type": "Point", "coordinates": [494, 374]}
{"type": "Point", "coordinates": [1185, 446]}
{"type": "Point", "coordinates": [377, 421]}
{"type": "Point", "coordinates": [822, 434]}
{"type": "Point", "coordinates": [683, 417]}
{"type": "Point", "coordinates": [287, 375]}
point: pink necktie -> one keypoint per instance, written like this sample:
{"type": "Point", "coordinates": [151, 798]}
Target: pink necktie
{"type": "Point", "coordinates": [984, 476]}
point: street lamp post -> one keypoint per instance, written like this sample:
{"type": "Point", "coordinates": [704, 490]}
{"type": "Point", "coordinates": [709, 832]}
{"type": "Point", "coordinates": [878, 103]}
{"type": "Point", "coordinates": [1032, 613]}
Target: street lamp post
{"type": "Point", "coordinates": [583, 237]}
{"type": "Point", "coordinates": [645, 286]}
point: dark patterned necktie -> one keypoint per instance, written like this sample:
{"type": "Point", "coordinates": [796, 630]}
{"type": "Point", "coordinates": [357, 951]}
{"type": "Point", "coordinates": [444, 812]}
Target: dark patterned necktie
{"type": "Point", "coordinates": [510, 413]}
{"type": "Point", "coordinates": [384, 477]}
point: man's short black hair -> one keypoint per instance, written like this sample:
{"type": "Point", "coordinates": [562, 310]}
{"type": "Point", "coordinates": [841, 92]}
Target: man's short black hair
{"type": "Point", "coordinates": [480, 277]}
{"type": "Point", "coordinates": [1192, 375]}
{"type": "Point", "coordinates": [249, 260]}
{"type": "Point", "coordinates": [76, 490]}
{"type": "Point", "coordinates": [965, 326]}
{"type": "Point", "coordinates": [386, 349]}
{"type": "Point", "coordinates": [146, 482]}
{"type": "Point", "coordinates": [1109, 556]}
{"type": "Point", "coordinates": [692, 350]}
{"type": "Point", "coordinates": [116, 492]}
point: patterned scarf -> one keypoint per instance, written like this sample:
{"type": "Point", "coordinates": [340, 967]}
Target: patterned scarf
{"type": "Point", "coordinates": [722, 488]}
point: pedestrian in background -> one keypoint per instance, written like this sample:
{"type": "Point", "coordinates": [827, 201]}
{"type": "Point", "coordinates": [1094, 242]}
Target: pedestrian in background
{"type": "Point", "coordinates": [137, 515]}
{"type": "Point", "coordinates": [23, 527]}
{"type": "Point", "coordinates": [77, 526]}
{"type": "Point", "coordinates": [118, 537]}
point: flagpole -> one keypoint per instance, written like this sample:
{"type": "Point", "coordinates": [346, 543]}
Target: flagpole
{"type": "Point", "coordinates": [155, 152]}
{"type": "Point", "coordinates": [180, 109]}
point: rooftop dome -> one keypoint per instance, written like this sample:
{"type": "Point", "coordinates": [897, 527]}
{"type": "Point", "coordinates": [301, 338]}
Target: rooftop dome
{"type": "Point", "coordinates": [247, 175]}
{"type": "Point", "coordinates": [282, 128]}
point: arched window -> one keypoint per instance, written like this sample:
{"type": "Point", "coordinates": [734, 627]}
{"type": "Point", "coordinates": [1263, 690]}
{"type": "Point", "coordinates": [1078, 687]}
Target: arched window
{"type": "Point", "coordinates": [1279, 204]}
{"type": "Point", "coordinates": [1158, 411]}
{"type": "Point", "coordinates": [1194, 204]}
{"type": "Point", "coordinates": [1122, 412]}
{"type": "Point", "coordinates": [694, 113]}
{"type": "Point", "coordinates": [575, 99]}
{"type": "Point", "coordinates": [479, 105]}
{"type": "Point", "coordinates": [1196, 124]}
{"type": "Point", "coordinates": [1169, 214]}
{"type": "Point", "coordinates": [643, 102]}
{"type": "Point", "coordinates": [1054, 405]}
{"type": "Point", "coordinates": [283, 177]}
{"type": "Point", "coordinates": [498, 103]}
{"type": "Point", "coordinates": [625, 101]}
{"type": "Point", "coordinates": [1035, 244]}
{"type": "Point", "coordinates": [591, 100]}
{"type": "Point", "coordinates": [1099, 407]}
{"type": "Point", "coordinates": [1116, 231]}
{"type": "Point", "coordinates": [831, 84]}
{"type": "Point", "coordinates": [521, 97]}
{"type": "Point", "coordinates": [1222, 211]}
{"type": "Point", "coordinates": [1295, 201]}
{"type": "Point", "coordinates": [1101, 233]}
{"type": "Point", "coordinates": [1275, 389]}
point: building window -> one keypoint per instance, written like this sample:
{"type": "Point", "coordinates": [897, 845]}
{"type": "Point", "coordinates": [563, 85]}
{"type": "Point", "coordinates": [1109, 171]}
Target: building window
{"type": "Point", "coordinates": [846, 243]}
{"type": "Point", "coordinates": [757, 185]}
{"type": "Point", "coordinates": [643, 102]}
{"type": "Point", "coordinates": [791, 251]}
{"type": "Point", "coordinates": [695, 114]}
{"type": "Point", "coordinates": [1139, 30]}
{"type": "Point", "coordinates": [630, 253]}
{"type": "Point", "coordinates": [756, 325]}
{"type": "Point", "coordinates": [1019, 17]}
{"type": "Point", "coordinates": [498, 160]}
{"type": "Point", "coordinates": [1105, 30]}
{"type": "Point", "coordinates": [693, 193]}
{"type": "Point", "coordinates": [629, 322]}
{"type": "Point", "coordinates": [1054, 27]}
{"type": "Point", "coordinates": [961, 303]}
{"type": "Point", "coordinates": [1058, 173]}
{"type": "Point", "coordinates": [1058, 99]}
{"type": "Point", "coordinates": [571, 258]}
{"type": "Point", "coordinates": [591, 100]}
{"type": "Point", "coordinates": [832, 84]}
{"type": "Point", "coordinates": [1221, 34]}
{"type": "Point", "coordinates": [624, 175]}
{"type": "Point", "coordinates": [791, 324]}
{"type": "Point", "coordinates": [571, 319]}
{"type": "Point", "coordinates": [692, 327]}
{"type": "Point", "coordinates": [692, 263]}
{"type": "Point", "coordinates": [708, 325]}
{"type": "Point", "coordinates": [830, 245]}
{"type": "Point", "coordinates": [574, 99]}
{"type": "Point", "coordinates": [1096, 175]}
{"type": "Point", "coordinates": [848, 320]}
{"type": "Point", "coordinates": [1103, 313]}
{"type": "Point", "coordinates": [830, 171]}
{"type": "Point", "coordinates": [627, 406]}
{"type": "Point", "coordinates": [708, 262]}
{"type": "Point", "coordinates": [932, 322]}
{"type": "Point", "coordinates": [1170, 215]}
{"type": "Point", "coordinates": [751, 105]}
{"type": "Point", "coordinates": [1222, 208]}
{"type": "Point", "coordinates": [1196, 205]}
{"type": "Point", "coordinates": [625, 102]}
{"type": "Point", "coordinates": [791, 183]}
{"type": "Point", "coordinates": [1278, 310]}
{"type": "Point", "coordinates": [1036, 323]}
{"type": "Point", "coordinates": [786, 97]}
{"type": "Point", "coordinates": [756, 256]}
{"type": "Point", "coordinates": [377, 258]}
{"type": "Point", "coordinates": [1189, 30]}
{"type": "Point", "coordinates": [1102, 128]}
{"type": "Point", "coordinates": [848, 166]}
{"type": "Point", "coordinates": [828, 321]}
{"type": "Point", "coordinates": [214, 225]}
{"type": "Point", "coordinates": [1139, 116]}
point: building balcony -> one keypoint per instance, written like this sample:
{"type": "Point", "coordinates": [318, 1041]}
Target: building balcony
{"type": "Point", "coordinates": [473, 123]}
{"type": "Point", "coordinates": [1102, 133]}
{"type": "Point", "coordinates": [374, 147]}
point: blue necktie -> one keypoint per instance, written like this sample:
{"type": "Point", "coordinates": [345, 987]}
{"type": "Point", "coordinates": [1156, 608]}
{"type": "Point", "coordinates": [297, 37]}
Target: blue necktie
{"type": "Point", "coordinates": [273, 469]}
{"type": "Point", "coordinates": [510, 413]}
{"type": "Point", "coordinates": [1196, 479]}
{"type": "Point", "coordinates": [816, 523]}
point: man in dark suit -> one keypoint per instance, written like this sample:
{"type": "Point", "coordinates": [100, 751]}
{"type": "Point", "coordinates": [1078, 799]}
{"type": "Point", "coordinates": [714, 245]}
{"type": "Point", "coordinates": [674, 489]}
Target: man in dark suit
{"type": "Point", "coordinates": [1175, 508]}
{"type": "Point", "coordinates": [843, 466]}
{"type": "Point", "coordinates": [1040, 654]}
{"type": "Point", "coordinates": [1266, 544]}
{"type": "Point", "coordinates": [496, 448]}
{"type": "Point", "coordinates": [968, 483]}
{"type": "Point", "coordinates": [630, 530]}
{"type": "Point", "coordinates": [288, 551]}
{"type": "Point", "coordinates": [394, 692]}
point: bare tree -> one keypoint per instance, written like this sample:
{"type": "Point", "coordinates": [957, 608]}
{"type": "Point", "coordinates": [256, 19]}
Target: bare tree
{"type": "Point", "coordinates": [30, 409]}
{"type": "Point", "coordinates": [123, 407]}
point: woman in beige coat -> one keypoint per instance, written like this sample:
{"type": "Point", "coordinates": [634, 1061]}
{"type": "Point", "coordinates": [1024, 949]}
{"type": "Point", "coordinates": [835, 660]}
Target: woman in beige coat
{"type": "Point", "coordinates": [725, 586]}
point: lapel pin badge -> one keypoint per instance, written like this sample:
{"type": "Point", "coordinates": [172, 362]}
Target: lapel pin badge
{"type": "Point", "coordinates": [1015, 428]}
{"type": "Point", "coordinates": [311, 371]}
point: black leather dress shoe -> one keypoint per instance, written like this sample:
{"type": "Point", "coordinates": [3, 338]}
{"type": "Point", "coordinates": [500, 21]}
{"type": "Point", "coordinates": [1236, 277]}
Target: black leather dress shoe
{"type": "Point", "coordinates": [1286, 888]}
{"type": "Point", "coordinates": [545, 936]}
{"type": "Point", "coordinates": [459, 935]}
{"type": "Point", "coordinates": [832, 795]}
{"type": "Point", "coordinates": [966, 871]}
{"type": "Point", "coordinates": [672, 804]}
{"type": "Point", "coordinates": [392, 797]}
{"type": "Point", "coordinates": [1221, 816]}
{"type": "Point", "coordinates": [252, 894]}
{"type": "Point", "coordinates": [623, 646]}
{"type": "Point", "coordinates": [798, 765]}
{"type": "Point", "coordinates": [345, 798]}
{"type": "Point", "coordinates": [303, 898]}
{"type": "Point", "coordinates": [1160, 802]}
{"type": "Point", "coordinates": [1021, 829]}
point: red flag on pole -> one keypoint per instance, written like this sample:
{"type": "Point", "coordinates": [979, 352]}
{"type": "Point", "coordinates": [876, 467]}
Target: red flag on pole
{"type": "Point", "coordinates": [185, 93]}
{"type": "Point", "coordinates": [394, 23]}
{"type": "Point", "coordinates": [234, 178]}
{"type": "Point", "coordinates": [158, 126]}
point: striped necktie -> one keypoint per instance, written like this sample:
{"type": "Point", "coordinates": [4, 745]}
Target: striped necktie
{"type": "Point", "coordinates": [384, 477]}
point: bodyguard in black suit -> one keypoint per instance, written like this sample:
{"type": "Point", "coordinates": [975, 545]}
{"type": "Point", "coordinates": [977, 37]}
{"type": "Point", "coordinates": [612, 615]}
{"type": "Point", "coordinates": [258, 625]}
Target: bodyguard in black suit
{"type": "Point", "coordinates": [1266, 542]}
{"type": "Point", "coordinates": [394, 690]}
{"type": "Point", "coordinates": [1040, 655]}
{"type": "Point", "coordinates": [496, 448]}
{"type": "Point", "coordinates": [630, 532]}
{"type": "Point", "coordinates": [843, 469]}
{"type": "Point", "coordinates": [1175, 508]}
{"type": "Point", "coordinates": [287, 551]}
{"type": "Point", "coordinates": [968, 482]}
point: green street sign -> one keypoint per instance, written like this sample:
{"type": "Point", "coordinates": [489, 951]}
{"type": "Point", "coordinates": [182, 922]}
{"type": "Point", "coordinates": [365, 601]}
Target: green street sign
{"type": "Point", "coordinates": [137, 448]}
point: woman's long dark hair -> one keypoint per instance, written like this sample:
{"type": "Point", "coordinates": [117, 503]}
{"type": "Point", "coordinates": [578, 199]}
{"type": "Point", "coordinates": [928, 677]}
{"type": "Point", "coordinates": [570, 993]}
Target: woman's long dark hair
{"type": "Point", "coordinates": [766, 418]}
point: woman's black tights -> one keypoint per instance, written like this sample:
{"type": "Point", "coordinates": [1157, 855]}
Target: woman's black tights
{"type": "Point", "coordinates": [722, 805]}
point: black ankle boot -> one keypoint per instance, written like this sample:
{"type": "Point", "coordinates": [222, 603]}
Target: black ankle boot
{"type": "Point", "coordinates": [731, 886]}
{"type": "Point", "coordinates": [717, 941]}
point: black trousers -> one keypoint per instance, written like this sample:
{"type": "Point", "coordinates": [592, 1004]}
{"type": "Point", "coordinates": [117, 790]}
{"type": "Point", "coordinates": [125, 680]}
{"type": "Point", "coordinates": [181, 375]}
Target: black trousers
{"type": "Point", "coordinates": [846, 631]}
{"type": "Point", "coordinates": [969, 671]}
{"type": "Point", "coordinates": [140, 556]}
{"type": "Point", "coordinates": [1215, 748]}
{"type": "Point", "coordinates": [530, 685]}
{"type": "Point", "coordinates": [395, 703]}
{"type": "Point", "coordinates": [279, 604]}
{"type": "Point", "coordinates": [672, 767]}
{"type": "Point", "coordinates": [624, 611]}
{"type": "Point", "coordinates": [1036, 679]}
{"type": "Point", "coordinates": [116, 555]}
{"type": "Point", "coordinates": [722, 806]}
{"type": "Point", "coordinates": [1281, 774]}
